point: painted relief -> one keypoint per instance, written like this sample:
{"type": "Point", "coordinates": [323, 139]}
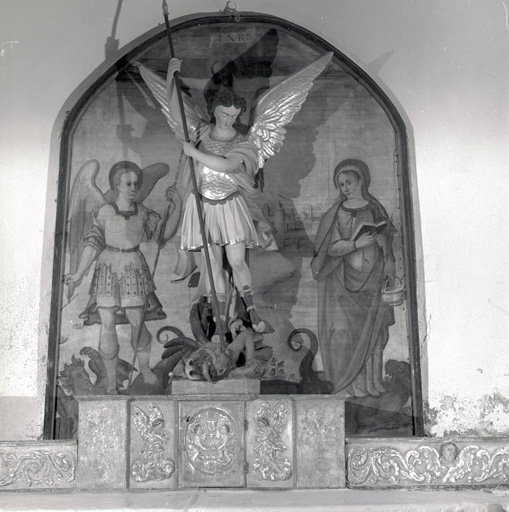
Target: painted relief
{"type": "Point", "coordinates": [305, 280]}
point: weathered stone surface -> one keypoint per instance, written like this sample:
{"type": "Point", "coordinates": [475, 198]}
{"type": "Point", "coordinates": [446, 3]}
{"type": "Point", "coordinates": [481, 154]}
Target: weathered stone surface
{"type": "Point", "coordinates": [236, 386]}
{"type": "Point", "coordinates": [211, 443]}
{"type": "Point", "coordinates": [38, 465]}
{"type": "Point", "coordinates": [102, 446]}
{"type": "Point", "coordinates": [426, 462]}
{"type": "Point", "coordinates": [269, 441]}
{"type": "Point", "coordinates": [320, 442]}
{"type": "Point", "coordinates": [152, 446]}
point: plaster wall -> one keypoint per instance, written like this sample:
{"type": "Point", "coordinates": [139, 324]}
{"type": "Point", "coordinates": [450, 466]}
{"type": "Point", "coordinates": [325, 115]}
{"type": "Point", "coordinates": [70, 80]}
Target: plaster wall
{"type": "Point", "coordinates": [443, 64]}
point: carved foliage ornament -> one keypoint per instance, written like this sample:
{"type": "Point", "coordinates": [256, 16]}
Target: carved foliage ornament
{"type": "Point", "coordinates": [151, 463]}
{"type": "Point", "coordinates": [103, 440]}
{"type": "Point", "coordinates": [269, 427]}
{"type": "Point", "coordinates": [37, 467]}
{"type": "Point", "coordinates": [318, 426]}
{"type": "Point", "coordinates": [447, 465]}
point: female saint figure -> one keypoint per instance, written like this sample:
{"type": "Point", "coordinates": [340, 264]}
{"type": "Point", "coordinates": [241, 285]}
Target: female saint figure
{"type": "Point", "coordinates": [353, 323]}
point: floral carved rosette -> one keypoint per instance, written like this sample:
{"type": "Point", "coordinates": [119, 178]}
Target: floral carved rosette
{"type": "Point", "coordinates": [211, 440]}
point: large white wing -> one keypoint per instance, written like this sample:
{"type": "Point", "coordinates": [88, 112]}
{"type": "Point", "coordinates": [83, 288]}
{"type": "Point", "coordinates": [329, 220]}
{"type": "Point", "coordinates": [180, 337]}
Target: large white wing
{"type": "Point", "coordinates": [194, 117]}
{"type": "Point", "coordinates": [276, 108]}
{"type": "Point", "coordinates": [84, 200]}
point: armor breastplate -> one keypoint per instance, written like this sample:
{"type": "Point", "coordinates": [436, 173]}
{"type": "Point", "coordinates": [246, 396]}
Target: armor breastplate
{"type": "Point", "coordinates": [216, 185]}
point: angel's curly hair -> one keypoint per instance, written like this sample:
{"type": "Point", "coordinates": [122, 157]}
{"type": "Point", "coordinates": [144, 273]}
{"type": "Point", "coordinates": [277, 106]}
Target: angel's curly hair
{"type": "Point", "coordinates": [225, 98]}
{"type": "Point", "coordinates": [124, 167]}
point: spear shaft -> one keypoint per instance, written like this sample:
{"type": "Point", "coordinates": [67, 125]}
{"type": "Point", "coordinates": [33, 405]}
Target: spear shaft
{"type": "Point", "coordinates": [215, 304]}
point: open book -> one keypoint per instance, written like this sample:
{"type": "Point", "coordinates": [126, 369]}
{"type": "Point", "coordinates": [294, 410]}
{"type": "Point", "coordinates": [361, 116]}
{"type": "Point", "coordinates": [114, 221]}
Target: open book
{"type": "Point", "coordinates": [368, 228]}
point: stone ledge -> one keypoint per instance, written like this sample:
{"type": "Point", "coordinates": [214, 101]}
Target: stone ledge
{"type": "Point", "coordinates": [337, 500]}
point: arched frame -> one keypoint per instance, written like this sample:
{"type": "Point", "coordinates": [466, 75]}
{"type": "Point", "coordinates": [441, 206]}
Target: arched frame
{"type": "Point", "coordinates": [360, 83]}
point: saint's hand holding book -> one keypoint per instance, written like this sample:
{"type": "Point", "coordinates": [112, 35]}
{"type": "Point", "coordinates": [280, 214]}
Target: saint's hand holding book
{"type": "Point", "coordinates": [368, 228]}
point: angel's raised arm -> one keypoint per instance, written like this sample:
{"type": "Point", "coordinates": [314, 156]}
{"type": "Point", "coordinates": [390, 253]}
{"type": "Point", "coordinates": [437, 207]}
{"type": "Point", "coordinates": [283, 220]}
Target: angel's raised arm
{"type": "Point", "coordinates": [165, 94]}
{"type": "Point", "coordinates": [171, 90]}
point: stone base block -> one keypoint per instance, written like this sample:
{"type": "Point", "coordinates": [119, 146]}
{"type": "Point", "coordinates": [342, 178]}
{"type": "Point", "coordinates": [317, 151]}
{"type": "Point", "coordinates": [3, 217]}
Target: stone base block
{"type": "Point", "coordinates": [237, 386]}
{"type": "Point", "coordinates": [38, 465]}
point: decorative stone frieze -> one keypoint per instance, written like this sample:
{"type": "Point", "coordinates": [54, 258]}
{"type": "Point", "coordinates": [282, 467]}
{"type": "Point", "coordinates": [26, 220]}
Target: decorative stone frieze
{"type": "Point", "coordinates": [382, 463]}
{"type": "Point", "coordinates": [320, 442]}
{"type": "Point", "coordinates": [38, 465]}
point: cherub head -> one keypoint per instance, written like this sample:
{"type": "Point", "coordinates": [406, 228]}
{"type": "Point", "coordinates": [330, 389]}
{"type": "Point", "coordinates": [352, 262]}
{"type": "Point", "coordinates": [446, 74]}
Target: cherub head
{"type": "Point", "coordinates": [448, 452]}
{"type": "Point", "coordinates": [125, 178]}
{"type": "Point", "coordinates": [207, 364]}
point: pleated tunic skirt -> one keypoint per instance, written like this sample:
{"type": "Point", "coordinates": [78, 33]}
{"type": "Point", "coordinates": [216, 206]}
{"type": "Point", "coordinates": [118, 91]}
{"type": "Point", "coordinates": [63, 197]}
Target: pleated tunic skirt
{"type": "Point", "coordinates": [227, 222]}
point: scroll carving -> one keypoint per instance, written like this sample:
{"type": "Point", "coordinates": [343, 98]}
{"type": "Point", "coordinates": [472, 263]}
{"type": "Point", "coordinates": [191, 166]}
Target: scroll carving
{"type": "Point", "coordinates": [38, 467]}
{"type": "Point", "coordinates": [447, 465]}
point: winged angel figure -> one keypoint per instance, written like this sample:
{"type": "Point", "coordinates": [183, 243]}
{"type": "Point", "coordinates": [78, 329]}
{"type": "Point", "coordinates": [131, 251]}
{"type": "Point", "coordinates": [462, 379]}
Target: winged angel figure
{"type": "Point", "coordinates": [227, 164]}
{"type": "Point", "coordinates": [151, 463]}
{"type": "Point", "coordinates": [108, 229]}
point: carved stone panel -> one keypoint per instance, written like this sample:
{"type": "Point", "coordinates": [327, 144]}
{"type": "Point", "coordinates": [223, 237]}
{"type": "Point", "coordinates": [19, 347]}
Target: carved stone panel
{"type": "Point", "coordinates": [38, 465]}
{"type": "Point", "coordinates": [270, 461]}
{"type": "Point", "coordinates": [211, 443]}
{"type": "Point", "coordinates": [425, 462]}
{"type": "Point", "coordinates": [320, 442]}
{"type": "Point", "coordinates": [102, 448]}
{"type": "Point", "coordinates": [152, 447]}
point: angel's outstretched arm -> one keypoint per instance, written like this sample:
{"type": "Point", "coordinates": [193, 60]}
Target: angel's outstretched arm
{"type": "Point", "coordinates": [225, 164]}
{"type": "Point", "coordinates": [90, 253]}
{"type": "Point", "coordinates": [171, 90]}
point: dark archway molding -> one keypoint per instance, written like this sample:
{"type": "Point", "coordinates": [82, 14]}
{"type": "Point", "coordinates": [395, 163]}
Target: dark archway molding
{"type": "Point", "coordinates": [406, 204]}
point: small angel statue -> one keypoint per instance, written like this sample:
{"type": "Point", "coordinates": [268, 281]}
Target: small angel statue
{"type": "Point", "coordinates": [108, 229]}
{"type": "Point", "coordinates": [227, 164]}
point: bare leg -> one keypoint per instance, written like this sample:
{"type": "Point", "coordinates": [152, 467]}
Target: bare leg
{"type": "Point", "coordinates": [143, 345]}
{"type": "Point", "coordinates": [108, 347]}
{"type": "Point", "coordinates": [218, 274]}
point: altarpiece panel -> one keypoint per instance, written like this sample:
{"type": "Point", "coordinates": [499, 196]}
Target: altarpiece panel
{"type": "Point", "coordinates": [341, 305]}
